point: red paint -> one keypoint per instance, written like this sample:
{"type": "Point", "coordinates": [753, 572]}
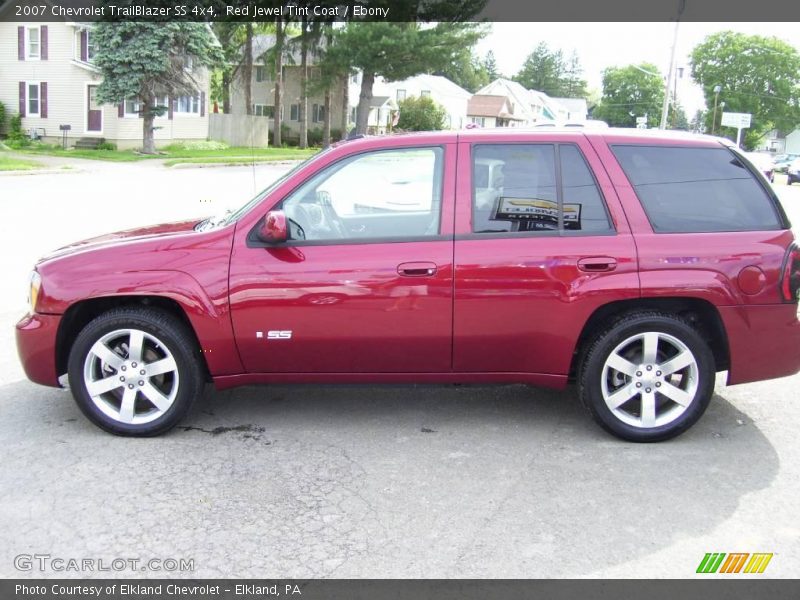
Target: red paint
{"type": "Point", "coordinates": [453, 308]}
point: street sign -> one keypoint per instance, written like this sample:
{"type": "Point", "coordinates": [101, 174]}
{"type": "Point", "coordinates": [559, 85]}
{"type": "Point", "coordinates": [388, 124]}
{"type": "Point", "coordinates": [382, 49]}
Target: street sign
{"type": "Point", "coordinates": [737, 120]}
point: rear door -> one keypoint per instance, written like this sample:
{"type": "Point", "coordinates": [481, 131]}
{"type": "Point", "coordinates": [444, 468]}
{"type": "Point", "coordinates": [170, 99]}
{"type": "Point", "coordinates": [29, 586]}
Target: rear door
{"type": "Point", "coordinates": [541, 243]}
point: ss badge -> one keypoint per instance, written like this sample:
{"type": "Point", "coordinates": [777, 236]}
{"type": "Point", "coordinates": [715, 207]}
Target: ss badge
{"type": "Point", "coordinates": [276, 334]}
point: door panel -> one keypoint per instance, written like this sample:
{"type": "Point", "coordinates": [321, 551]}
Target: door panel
{"type": "Point", "coordinates": [358, 304]}
{"type": "Point", "coordinates": [94, 112]}
{"type": "Point", "coordinates": [522, 296]}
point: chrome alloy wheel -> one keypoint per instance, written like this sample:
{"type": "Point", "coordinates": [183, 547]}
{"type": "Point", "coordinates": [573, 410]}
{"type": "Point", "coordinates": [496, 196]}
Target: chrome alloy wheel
{"type": "Point", "coordinates": [650, 379]}
{"type": "Point", "coordinates": [131, 376]}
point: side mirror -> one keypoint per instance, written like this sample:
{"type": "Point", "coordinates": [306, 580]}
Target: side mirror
{"type": "Point", "coordinates": [274, 229]}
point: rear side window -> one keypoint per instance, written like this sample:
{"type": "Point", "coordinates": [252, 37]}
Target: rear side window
{"type": "Point", "coordinates": [692, 190]}
{"type": "Point", "coordinates": [520, 188]}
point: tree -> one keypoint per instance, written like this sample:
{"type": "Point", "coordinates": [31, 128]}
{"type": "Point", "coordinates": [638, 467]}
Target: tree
{"type": "Point", "coordinates": [466, 70]}
{"type": "Point", "coordinates": [147, 61]}
{"type": "Point", "coordinates": [421, 114]}
{"type": "Point", "coordinates": [490, 66]}
{"type": "Point", "coordinates": [407, 47]}
{"type": "Point", "coordinates": [543, 70]}
{"type": "Point", "coordinates": [573, 83]}
{"type": "Point", "coordinates": [630, 92]}
{"type": "Point", "coordinates": [758, 75]}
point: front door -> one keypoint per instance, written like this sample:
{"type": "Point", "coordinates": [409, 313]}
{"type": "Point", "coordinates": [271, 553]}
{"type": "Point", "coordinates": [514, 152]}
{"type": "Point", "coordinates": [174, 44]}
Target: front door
{"type": "Point", "coordinates": [94, 111]}
{"type": "Point", "coordinates": [365, 285]}
{"type": "Point", "coordinates": [541, 243]}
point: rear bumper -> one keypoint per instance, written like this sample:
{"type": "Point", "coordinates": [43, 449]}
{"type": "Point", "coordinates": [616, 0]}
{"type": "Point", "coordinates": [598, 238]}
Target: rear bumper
{"type": "Point", "coordinates": [36, 345]}
{"type": "Point", "coordinates": [764, 341]}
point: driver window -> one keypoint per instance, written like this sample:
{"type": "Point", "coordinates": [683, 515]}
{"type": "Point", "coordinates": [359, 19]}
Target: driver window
{"type": "Point", "coordinates": [375, 195]}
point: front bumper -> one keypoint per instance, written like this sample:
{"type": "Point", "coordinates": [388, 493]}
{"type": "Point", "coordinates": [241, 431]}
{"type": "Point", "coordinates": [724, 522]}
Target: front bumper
{"type": "Point", "coordinates": [36, 345]}
{"type": "Point", "coordinates": [764, 341]}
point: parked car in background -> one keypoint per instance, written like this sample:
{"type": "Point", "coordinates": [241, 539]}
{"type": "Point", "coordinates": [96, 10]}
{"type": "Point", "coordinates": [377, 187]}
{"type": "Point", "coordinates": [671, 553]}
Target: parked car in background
{"type": "Point", "coordinates": [782, 162]}
{"type": "Point", "coordinates": [634, 264]}
{"type": "Point", "coordinates": [793, 171]}
{"type": "Point", "coordinates": [764, 163]}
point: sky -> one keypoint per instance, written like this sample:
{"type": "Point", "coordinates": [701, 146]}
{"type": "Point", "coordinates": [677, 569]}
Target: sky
{"type": "Point", "coordinates": [600, 45]}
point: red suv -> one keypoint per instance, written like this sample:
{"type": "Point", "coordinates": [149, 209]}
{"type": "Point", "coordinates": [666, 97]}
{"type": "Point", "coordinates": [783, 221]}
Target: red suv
{"type": "Point", "coordinates": [635, 265]}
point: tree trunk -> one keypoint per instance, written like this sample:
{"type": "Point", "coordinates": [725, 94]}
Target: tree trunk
{"type": "Point", "coordinates": [226, 92]}
{"type": "Point", "coordinates": [326, 125]}
{"type": "Point", "coordinates": [148, 141]}
{"type": "Point", "coordinates": [247, 69]}
{"type": "Point", "coordinates": [303, 109]}
{"type": "Point", "coordinates": [277, 120]}
{"type": "Point", "coordinates": [345, 105]}
{"type": "Point", "coordinates": [362, 116]}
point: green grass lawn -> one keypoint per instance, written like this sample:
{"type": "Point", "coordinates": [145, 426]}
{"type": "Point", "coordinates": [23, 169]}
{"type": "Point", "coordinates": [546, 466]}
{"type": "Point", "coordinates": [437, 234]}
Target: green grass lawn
{"type": "Point", "coordinates": [178, 154]}
{"type": "Point", "coordinates": [10, 163]}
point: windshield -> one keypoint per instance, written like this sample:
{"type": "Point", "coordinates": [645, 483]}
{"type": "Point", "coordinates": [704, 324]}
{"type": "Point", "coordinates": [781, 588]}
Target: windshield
{"type": "Point", "coordinates": [234, 216]}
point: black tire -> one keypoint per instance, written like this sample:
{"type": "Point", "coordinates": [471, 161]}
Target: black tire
{"type": "Point", "coordinates": [173, 337]}
{"type": "Point", "coordinates": [590, 375]}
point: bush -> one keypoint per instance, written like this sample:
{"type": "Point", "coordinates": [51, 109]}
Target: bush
{"type": "Point", "coordinates": [2, 116]}
{"type": "Point", "coordinates": [16, 136]}
{"type": "Point", "coordinates": [104, 145]}
{"type": "Point", "coordinates": [315, 137]}
{"type": "Point", "coordinates": [421, 114]}
{"type": "Point", "coordinates": [198, 145]}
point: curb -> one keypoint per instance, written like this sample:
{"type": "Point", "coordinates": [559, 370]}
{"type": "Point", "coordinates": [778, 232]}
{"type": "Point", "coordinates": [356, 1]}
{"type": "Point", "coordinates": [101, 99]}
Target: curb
{"type": "Point", "coordinates": [38, 172]}
{"type": "Point", "coordinates": [234, 164]}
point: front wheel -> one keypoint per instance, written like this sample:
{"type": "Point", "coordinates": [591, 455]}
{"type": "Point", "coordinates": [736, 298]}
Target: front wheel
{"type": "Point", "coordinates": [135, 372]}
{"type": "Point", "coordinates": [647, 378]}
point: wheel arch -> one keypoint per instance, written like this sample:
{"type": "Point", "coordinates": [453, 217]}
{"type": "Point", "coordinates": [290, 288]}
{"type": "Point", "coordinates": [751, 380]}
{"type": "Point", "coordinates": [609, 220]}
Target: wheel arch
{"type": "Point", "coordinates": [702, 314]}
{"type": "Point", "coordinates": [80, 313]}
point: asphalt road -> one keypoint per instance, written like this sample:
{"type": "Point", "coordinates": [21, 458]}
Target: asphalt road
{"type": "Point", "coordinates": [390, 481]}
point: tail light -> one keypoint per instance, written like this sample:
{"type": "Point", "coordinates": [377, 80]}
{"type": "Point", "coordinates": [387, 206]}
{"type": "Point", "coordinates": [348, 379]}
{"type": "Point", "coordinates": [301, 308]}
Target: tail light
{"type": "Point", "coordinates": [790, 280]}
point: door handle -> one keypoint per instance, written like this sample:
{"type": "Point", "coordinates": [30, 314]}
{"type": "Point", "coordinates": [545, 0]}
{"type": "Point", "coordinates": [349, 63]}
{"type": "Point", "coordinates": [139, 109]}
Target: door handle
{"type": "Point", "coordinates": [597, 264]}
{"type": "Point", "coordinates": [416, 269]}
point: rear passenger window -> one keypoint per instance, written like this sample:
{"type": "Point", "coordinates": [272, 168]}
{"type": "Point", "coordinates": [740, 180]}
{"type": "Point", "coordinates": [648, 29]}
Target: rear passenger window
{"type": "Point", "coordinates": [696, 190]}
{"type": "Point", "coordinates": [516, 188]}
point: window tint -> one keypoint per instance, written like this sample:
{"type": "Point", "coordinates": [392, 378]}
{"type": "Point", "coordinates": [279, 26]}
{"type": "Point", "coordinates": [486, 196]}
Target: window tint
{"type": "Point", "coordinates": [584, 209]}
{"type": "Point", "coordinates": [376, 195]}
{"type": "Point", "coordinates": [514, 189]}
{"type": "Point", "coordinates": [697, 189]}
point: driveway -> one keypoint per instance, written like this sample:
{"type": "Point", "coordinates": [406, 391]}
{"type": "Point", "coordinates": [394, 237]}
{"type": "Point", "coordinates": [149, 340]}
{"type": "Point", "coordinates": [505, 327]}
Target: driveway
{"type": "Point", "coordinates": [389, 481]}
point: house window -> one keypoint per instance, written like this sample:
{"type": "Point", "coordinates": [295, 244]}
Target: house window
{"type": "Point", "coordinates": [188, 62]}
{"type": "Point", "coordinates": [353, 114]}
{"type": "Point", "coordinates": [263, 110]}
{"type": "Point", "coordinates": [33, 100]}
{"type": "Point", "coordinates": [262, 74]}
{"type": "Point", "coordinates": [478, 120]}
{"type": "Point", "coordinates": [132, 107]}
{"type": "Point", "coordinates": [33, 45]}
{"type": "Point", "coordinates": [318, 113]}
{"type": "Point", "coordinates": [91, 47]}
{"type": "Point", "coordinates": [294, 112]}
{"type": "Point", "coordinates": [401, 95]}
{"type": "Point", "coordinates": [354, 78]}
{"type": "Point", "coordinates": [425, 94]}
{"type": "Point", "coordinates": [187, 104]}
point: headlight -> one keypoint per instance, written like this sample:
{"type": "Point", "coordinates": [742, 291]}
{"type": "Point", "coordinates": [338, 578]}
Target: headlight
{"type": "Point", "coordinates": [35, 283]}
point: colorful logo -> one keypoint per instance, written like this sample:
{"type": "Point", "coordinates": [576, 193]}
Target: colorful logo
{"type": "Point", "coordinates": [734, 562]}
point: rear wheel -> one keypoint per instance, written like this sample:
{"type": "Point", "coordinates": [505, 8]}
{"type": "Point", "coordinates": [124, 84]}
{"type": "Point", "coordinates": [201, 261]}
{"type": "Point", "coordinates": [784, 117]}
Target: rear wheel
{"type": "Point", "coordinates": [647, 378]}
{"type": "Point", "coordinates": [135, 372]}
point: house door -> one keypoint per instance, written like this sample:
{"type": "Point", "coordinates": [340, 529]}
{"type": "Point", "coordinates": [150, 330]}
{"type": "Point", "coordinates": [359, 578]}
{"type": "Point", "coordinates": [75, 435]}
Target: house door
{"type": "Point", "coordinates": [94, 112]}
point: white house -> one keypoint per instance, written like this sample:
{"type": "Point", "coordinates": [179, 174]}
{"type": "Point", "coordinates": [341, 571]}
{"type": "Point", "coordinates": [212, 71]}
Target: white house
{"type": "Point", "coordinates": [441, 90]}
{"type": "Point", "coordinates": [491, 111]}
{"type": "Point", "coordinates": [531, 107]}
{"type": "Point", "coordinates": [47, 76]}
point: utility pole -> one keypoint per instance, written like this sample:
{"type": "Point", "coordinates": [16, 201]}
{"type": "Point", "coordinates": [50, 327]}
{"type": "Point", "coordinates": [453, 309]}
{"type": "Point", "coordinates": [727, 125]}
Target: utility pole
{"type": "Point", "coordinates": [717, 90]}
{"type": "Point", "coordinates": [668, 81]}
